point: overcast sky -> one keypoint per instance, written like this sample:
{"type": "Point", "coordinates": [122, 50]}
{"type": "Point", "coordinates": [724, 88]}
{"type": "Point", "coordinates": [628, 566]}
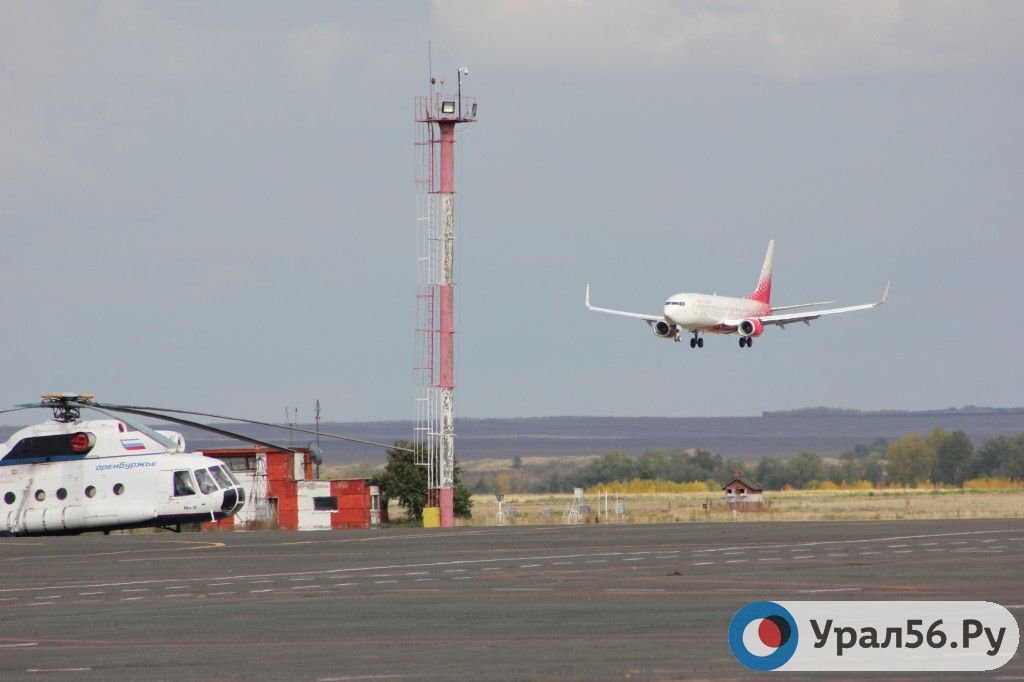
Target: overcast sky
{"type": "Point", "coordinates": [212, 205]}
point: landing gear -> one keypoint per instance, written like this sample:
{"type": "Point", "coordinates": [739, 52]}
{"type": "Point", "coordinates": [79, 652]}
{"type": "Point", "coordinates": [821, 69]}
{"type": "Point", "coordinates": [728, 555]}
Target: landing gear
{"type": "Point", "coordinates": [746, 341]}
{"type": "Point", "coordinates": [696, 341]}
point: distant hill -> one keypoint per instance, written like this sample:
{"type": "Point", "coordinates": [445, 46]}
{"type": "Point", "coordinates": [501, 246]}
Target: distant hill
{"type": "Point", "coordinates": [777, 434]}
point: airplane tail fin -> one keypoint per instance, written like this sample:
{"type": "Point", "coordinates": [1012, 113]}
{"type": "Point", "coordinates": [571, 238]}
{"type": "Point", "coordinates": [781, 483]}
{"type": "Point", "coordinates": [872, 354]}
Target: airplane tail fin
{"type": "Point", "coordinates": [763, 292]}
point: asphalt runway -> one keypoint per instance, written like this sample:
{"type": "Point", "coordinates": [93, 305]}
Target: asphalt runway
{"type": "Point", "coordinates": [591, 602]}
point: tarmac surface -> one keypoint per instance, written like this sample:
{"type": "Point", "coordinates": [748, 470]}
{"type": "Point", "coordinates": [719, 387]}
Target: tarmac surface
{"type": "Point", "coordinates": [590, 602]}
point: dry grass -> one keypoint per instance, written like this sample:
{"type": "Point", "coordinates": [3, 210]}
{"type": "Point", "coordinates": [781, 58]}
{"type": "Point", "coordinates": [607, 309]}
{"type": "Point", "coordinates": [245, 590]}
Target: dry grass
{"type": "Point", "coordinates": [803, 505]}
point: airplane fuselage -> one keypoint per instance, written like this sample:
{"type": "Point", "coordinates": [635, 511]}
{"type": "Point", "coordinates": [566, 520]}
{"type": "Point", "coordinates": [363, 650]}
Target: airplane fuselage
{"type": "Point", "coordinates": [707, 312]}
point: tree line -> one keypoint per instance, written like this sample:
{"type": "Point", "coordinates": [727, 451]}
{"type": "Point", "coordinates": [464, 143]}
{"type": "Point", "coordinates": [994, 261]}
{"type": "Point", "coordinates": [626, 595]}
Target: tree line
{"type": "Point", "coordinates": [939, 458]}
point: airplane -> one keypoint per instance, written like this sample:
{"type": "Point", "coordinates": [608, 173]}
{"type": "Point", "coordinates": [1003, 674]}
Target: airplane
{"type": "Point", "coordinates": [70, 475]}
{"type": "Point", "coordinates": [700, 314]}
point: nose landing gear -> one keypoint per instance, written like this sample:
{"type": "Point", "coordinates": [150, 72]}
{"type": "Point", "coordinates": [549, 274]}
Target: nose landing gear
{"type": "Point", "coordinates": [696, 341]}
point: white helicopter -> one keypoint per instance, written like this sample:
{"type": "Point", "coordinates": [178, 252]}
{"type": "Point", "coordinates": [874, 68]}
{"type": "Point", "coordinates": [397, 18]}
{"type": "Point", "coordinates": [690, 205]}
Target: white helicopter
{"type": "Point", "coordinates": [69, 475]}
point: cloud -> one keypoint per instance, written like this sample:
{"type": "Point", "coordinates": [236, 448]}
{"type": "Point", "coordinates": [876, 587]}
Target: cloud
{"type": "Point", "coordinates": [787, 40]}
{"type": "Point", "coordinates": [315, 54]}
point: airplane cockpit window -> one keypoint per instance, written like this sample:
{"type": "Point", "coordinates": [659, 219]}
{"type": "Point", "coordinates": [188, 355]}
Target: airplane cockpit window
{"type": "Point", "coordinates": [222, 480]}
{"type": "Point", "coordinates": [183, 484]}
{"type": "Point", "coordinates": [206, 484]}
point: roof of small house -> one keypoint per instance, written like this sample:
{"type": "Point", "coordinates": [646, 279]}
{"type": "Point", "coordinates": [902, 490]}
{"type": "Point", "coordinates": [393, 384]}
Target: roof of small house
{"type": "Point", "coordinates": [748, 482]}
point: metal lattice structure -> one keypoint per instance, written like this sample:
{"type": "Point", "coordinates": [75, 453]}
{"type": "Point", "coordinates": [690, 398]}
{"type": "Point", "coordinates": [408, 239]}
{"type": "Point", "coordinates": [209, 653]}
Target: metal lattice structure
{"type": "Point", "coordinates": [434, 363]}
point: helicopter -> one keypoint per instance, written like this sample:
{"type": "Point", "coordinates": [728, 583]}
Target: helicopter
{"type": "Point", "coordinates": [71, 475]}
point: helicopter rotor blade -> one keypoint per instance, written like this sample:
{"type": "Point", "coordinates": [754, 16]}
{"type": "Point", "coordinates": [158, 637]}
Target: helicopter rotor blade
{"type": "Point", "coordinates": [146, 412]}
{"type": "Point", "coordinates": [157, 410]}
{"type": "Point", "coordinates": [168, 444]}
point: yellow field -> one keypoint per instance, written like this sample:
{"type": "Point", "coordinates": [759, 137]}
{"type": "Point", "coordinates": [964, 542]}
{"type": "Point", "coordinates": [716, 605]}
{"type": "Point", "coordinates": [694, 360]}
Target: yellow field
{"type": "Point", "coordinates": [802, 505]}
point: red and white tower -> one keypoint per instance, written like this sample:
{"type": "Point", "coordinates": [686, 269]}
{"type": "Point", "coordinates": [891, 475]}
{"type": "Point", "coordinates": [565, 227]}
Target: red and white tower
{"type": "Point", "coordinates": [437, 117]}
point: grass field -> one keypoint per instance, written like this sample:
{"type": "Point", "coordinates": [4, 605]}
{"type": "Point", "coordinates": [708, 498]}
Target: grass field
{"type": "Point", "coordinates": [803, 505]}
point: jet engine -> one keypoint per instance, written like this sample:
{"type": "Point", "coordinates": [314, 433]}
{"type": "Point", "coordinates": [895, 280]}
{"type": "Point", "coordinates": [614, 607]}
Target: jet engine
{"type": "Point", "coordinates": [664, 329]}
{"type": "Point", "coordinates": [750, 328]}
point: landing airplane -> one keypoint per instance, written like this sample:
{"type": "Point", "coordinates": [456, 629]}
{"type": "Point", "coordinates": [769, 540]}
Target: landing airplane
{"type": "Point", "coordinates": [70, 475]}
{"type": "Point", "coordinates": [698, 314]}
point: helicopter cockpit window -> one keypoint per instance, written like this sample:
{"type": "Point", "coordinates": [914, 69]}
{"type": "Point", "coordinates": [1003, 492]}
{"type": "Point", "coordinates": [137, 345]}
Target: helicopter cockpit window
{"type": "Point", "coordinates": [183, 484]}
{"type": "Point", "coordinates": [222, 480]}
{"type": "Point", "coordinates": [206, 484]}
{"type": "Point", "coordinates": [234, 479]}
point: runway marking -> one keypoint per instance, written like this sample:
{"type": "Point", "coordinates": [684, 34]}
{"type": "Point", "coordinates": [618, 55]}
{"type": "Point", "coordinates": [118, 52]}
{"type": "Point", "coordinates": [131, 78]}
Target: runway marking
{"type": "Point", "coordinates": [131, 598]}
{"type": "Point", "coordinates": [894, 546]}
{"type": "Point", "coordinates": [218, 584]}
{"type": "Point", "coordinates": [523, 589]}
{"type": "Point", "coordinates": [89, 594]}
{"type": "Point", "coordinates": [769, 558]}
{"type": "Point", "coordinates": [489, 568]}
{"type": "Point", "coordinates": [41, 603]}
{"type": "Point", "coordinates": [804, 556]}
{"type": "Point", "coordinates": [18, 645]}
{"type": "Point", "coordinates": [639, 558]}
{"type": "Point", "coordinates": [703, 563]}
{"type": "Point", "coordinates": [454, 570]}
{"type": "Point", "coordinates": [178, 595]}
{"type": "Point", "coordinates": [738, 561]}
{"type": "Point", "coordinates": [375, 582]}
{"type": "Point", "coordinates": [57, 670]}
{"type": "Point", "coordinates": [937, 549]}
{"type": "Point", "coordinates": [866, 553]}
{"type": "Point", "coordinates": [463, 577]}
{"type": "Point", "coordinates": [902, 551]}
{"type": "Point", "coordinates": [530, 565]}
{"type": "Point", "coordinates": [837, 554]}
{"type": "Point", "coordinates": [218, 594]}
{"type": "Point", "coordinates": [137, 589]}
{"type": "Point", "coordinates": [421, 572]}
{"type": "Point", "coordinates": [298, 580]}
{"type": "Point", "coordinates": [265, 589]}
{"type": "Point", "coordinates": [419, 580]}
{"type": "Point", "coordinates": [595, 561]}
{"type": "Point", "coordinates": [177, 587]}
{"type": "Point", "coordinates": [562, 563]}
{"type": "Point", "coordinates": [317, 587]}
{"type": "Point", "coordinates": [832, 589]}
{"type": "Point", "coordinates": [254, 582]}
{"type": "Point", "coordinates": [636, 590]}
{"type": "Point", "coordinates": [895, 538]}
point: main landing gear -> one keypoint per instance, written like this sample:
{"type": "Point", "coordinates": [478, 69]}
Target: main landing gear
{"type": "Point", "coordinates": [696, 341]}
{"type": "Point", "coordinates": [746, 341]}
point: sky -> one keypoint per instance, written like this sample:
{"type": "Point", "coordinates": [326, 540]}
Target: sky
{"type": "Point", "coordinates": [212, 206]}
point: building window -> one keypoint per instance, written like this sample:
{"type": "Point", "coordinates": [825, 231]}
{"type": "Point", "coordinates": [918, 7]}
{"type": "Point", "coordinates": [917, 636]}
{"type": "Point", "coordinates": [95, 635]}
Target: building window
{"type": "Point", "coordinates": [325, 503]}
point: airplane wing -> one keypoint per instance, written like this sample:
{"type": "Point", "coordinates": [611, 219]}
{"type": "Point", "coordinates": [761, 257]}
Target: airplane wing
{"type": "Point", "coordinates": [639, 316]}
{"type": "Point", "coordinates": [800, 305]}
{"type": "Point", "coordinates": [790, 318]}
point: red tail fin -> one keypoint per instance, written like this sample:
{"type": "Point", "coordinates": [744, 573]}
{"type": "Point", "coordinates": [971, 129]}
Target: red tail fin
{"type": "Point", "coordinates": [763, 292]}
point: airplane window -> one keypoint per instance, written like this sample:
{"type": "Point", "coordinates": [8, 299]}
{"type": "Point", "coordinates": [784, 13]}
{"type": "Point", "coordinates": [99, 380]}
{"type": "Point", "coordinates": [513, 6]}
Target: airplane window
{"type": "Point", "coordinates": [61, 493]}
{"type": "Point", "coordinates": [40, 495]}
{"type": "Point", "coordinates": [222, 480]}
{"type": "Point", "coordinates": [90, 491]}
{"type": "Point", "coordinates": [183, 484]}
{"type": "Point", "coordinates": [118, 488]}
{"type": "Point", "coordinates": [9, 498]}
{"type": "Point", "coordinates": [206, 484]}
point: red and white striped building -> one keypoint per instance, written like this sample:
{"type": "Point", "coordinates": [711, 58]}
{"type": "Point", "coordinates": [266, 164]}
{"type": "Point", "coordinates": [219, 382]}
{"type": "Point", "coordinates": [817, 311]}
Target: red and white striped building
{"type": "Point", "coordinates": [283, 492]}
